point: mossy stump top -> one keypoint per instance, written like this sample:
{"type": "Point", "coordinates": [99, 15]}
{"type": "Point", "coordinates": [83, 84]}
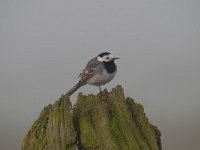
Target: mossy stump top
{"type": "Point", "coordinates": [107, 121]}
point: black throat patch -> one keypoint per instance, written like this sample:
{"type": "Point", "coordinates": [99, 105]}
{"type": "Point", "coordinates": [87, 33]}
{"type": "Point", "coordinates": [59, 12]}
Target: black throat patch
{"type": "Point", "coordinates": [110, 66]}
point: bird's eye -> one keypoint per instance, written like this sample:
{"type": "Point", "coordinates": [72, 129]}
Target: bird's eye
{"type": "Point", "coordinates": [107, 57]}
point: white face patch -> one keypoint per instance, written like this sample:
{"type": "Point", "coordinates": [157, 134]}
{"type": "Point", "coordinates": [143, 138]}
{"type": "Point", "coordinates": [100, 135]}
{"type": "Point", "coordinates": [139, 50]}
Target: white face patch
{"type": "Point", "coordinates": [100, 59]}
{"type": "Point", "coordinates": [105, 58]}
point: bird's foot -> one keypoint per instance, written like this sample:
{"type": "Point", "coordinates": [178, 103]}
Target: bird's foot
{"type": "Point", "coordinates": [103, 95]}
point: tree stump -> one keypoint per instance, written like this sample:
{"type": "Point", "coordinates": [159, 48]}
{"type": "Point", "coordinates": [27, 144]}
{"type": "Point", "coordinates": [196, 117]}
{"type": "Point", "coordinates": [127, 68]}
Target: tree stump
{"type": "Point", "coordinates": [107, 121]}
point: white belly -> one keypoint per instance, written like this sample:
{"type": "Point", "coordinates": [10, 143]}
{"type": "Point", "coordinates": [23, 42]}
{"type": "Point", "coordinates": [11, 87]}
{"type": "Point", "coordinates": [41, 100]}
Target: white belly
{"type": "Point", "coordinates": [101, 79]}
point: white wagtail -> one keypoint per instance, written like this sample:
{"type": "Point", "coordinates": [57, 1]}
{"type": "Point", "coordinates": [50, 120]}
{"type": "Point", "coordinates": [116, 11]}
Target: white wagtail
{"type": "Point", "coordinates": [99, 71]}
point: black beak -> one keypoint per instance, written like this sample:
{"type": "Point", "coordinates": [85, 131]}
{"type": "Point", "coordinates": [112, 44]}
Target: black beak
{"type": "Point", "coordinates": [116, 58]}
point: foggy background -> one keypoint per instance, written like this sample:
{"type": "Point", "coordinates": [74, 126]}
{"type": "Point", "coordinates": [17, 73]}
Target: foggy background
{"type": "Point", "coordinates": [45, 44]}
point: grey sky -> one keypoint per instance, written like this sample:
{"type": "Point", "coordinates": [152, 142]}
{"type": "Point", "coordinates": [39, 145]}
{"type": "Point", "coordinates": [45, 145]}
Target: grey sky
{"type": "Point", "coordinates": [45, 44]}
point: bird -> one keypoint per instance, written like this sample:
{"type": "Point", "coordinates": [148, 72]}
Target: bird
{"type": "Point", "coordinates": [98, 71]}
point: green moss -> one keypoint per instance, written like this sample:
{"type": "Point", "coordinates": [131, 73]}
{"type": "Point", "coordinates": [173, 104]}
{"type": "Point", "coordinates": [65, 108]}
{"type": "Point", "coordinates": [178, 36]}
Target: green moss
{"type": "Point", "coordinates": [100, 116]}
{"type": "Point", "coordinates": [143, 124]}
{"type": "Point", "coordinates": [124, 118]}
{"type": "Point", "coordinates": [88, 137]}
{"type": "Point", "coordinates": [115, 129]}
{"type": "Point", "coordinates": [60, 127]}
{"type": "Point", "coordinates": [106, 121]}
{"type": "Point", "coordinates": [52, 130]}
{"type": "Point", "coordinates": [36, 137]}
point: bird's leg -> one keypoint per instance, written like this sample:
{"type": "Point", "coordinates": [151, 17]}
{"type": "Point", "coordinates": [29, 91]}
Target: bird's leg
{"type": "Point", "coordinates": [100, 89]}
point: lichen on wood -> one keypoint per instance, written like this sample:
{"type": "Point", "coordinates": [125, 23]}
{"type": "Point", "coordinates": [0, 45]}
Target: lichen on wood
{"type": "Point", "coordinates": [106, 121]}
{"type": "Point", "coordinates": [53, 130]}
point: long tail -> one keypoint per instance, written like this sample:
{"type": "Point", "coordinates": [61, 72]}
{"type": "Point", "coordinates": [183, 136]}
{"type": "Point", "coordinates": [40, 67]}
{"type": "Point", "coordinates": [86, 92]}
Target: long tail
{"type": "Point", "coordinates": [76, 87]}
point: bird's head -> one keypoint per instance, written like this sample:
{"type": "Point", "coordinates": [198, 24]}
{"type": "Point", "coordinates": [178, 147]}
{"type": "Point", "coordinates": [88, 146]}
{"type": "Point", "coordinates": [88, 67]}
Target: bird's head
{"type": "Point", "coordinates": [106, 57]}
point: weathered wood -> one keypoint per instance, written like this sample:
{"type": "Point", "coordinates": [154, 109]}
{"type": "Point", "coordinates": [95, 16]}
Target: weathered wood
{"type": "Point", "coordinates": [107, 121]}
